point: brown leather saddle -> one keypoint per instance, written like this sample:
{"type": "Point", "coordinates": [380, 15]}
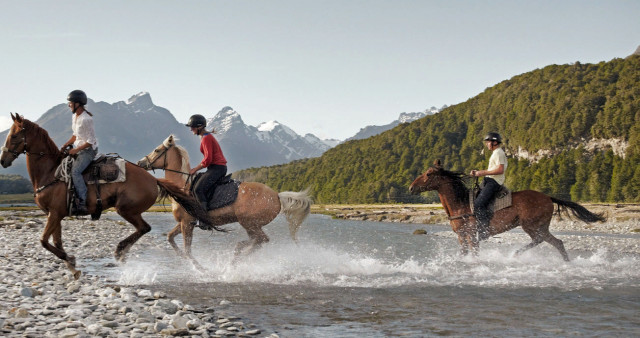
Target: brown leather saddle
{"type": "Point", "coordinates": [501, 200]}
{"type": "Point", "coordinates": [104, 169]}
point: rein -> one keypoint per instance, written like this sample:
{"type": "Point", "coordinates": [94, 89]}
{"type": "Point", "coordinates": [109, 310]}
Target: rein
{"type": "Point", "coordinates": [164, 166]}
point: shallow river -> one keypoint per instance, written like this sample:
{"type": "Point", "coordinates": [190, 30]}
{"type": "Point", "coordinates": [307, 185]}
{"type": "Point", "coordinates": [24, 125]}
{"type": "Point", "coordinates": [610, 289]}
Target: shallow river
{"type": "Point", "coordinates": [357, 279]}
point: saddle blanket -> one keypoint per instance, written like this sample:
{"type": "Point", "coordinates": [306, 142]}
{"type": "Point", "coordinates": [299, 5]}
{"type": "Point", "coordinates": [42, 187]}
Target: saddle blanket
{"type": "Point", "coordinates": [113, 171]}
{"type": "Point", "coordinates": [224, 192]}
{"type": "Point", "coordinates": [501, 201]}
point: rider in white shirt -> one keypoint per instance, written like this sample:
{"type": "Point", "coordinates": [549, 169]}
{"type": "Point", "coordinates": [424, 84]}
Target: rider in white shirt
{"type": "Point", "coordinates": [85, 145]}
{"type": "Point", "coordinates": [493, 181]}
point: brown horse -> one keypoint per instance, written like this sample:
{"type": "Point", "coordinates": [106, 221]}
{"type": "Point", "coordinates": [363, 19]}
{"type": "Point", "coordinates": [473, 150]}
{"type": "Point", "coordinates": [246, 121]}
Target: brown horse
{"type": "Point", "coordinates": [129, 198]}
{"type": "Point", "coordinates": [256, 205]}
{"type": "Point", "coordinates": [531, 210]}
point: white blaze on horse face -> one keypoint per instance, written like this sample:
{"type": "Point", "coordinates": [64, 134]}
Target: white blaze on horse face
{"type": "Point", "coordinates": [5, 148]}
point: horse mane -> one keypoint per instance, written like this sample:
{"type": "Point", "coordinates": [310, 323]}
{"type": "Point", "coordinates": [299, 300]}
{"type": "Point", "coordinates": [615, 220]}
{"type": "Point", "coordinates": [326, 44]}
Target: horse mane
{"type": "Point", "coordinates": [185, 158]}
{"type": "Point", "coordinates": [460, 189]}
{"type": "Point", "coordinates": [42, 135]}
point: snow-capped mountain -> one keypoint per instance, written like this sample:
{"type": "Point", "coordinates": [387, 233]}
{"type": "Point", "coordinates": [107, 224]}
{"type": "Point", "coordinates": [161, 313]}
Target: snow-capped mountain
{"type": "Point", "coordinates": [369, 131]}
{"type": "Point", "coordinates": [267, 144]}
{"type": "Point", "coordinates": [134, 127]}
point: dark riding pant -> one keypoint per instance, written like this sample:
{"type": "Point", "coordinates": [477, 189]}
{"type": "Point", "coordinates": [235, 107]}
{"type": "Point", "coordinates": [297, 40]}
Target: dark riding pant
{"type": "Point", "coordinates": [481, 204]}
{"type": "Point", "coordinates": [205, 183]}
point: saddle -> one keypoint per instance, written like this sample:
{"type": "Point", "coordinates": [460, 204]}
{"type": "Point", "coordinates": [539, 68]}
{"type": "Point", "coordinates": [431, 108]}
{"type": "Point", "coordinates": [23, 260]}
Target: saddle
{"type": "Point", "coordinates": [501, 200]}
{"type": "Point", "coordinates": [222, 193]}
{"type": "Point", "coordinates": [103, 169]}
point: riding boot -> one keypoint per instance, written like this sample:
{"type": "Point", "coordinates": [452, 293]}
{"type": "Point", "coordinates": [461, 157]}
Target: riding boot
{"type": "Point", "coordinates": [81, 207]}
{"type": "Point", "coordinates": [483, 217]}
{"type": "Point", "coordinates": [200, 224]}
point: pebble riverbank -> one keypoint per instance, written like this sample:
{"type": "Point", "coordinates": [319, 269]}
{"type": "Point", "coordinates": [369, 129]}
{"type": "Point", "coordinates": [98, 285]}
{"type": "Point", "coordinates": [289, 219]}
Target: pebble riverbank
{"type": "Point", "coordinates": [40, 298]}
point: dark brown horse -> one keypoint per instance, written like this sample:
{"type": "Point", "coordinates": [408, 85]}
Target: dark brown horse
{"type": "Point", "coordinates": [256, 205]}
{"type": "Point", "coordinates": [531, 210]}
{"type": "Point", "coordinates": [130, 198]}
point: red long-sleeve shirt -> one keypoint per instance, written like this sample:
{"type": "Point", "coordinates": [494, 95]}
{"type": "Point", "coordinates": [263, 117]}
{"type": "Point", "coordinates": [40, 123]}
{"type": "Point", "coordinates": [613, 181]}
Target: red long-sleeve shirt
{"type": "Point", "coordinates": [210, 148]}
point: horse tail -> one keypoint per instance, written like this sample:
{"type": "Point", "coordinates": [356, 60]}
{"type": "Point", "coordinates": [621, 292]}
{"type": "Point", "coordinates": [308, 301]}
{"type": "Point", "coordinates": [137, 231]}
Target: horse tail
{"type": "Point", "coordinates": [190, 204]}
{"type": "Point", "coordinates": [296, 206]}
{"type": "Point", "coordinates": [578, 211]}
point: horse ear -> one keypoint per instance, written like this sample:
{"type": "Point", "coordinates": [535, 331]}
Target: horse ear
{"type": "Point", "coordinates": [12, 117]}
{"type": "Point", "coordinates": [437, 164]}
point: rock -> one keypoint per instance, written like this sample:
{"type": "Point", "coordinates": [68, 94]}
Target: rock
{"type": "Point", "coordinates": [73, 287]}
{"type": "Point", "coordinates": [28, 292]}
{"type": "Point", "coordinates": [145, 294]}
{"type": "Point", "coordinates": [22, 313]}
{"type": "Point", "coordinates": [252, 332]}
{"type": "Point", "coordinates": [175, 332]}
{"type": "Point", "coordinates": [159, 326]}
{"type": "Point", "coordinates": [166, 306]}
{"type": "Point", "coordinates": [420, 232]}
{"type": "Point", "coordinates": [179, 322]}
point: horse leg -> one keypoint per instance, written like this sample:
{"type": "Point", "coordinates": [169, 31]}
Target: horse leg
{"type": "Point", "coordinates": [53, 228]}
{"type": "Point", "coordinates": [549, 238]}
{"type": "Point", "coordinates": [171, 235]}
{"type": "Point", "coordinates": [142, 228]}
{"type": "Point", "coordinates": [257, 237]}
{"type": "Point", "coordinates": [187, 237]}
{"type": "Point", "coordinates": [533, 243]}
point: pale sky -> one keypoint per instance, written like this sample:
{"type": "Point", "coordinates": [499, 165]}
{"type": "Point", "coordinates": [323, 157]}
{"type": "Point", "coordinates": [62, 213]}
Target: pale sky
{"type": "Point", "coordinates": [322, 67]}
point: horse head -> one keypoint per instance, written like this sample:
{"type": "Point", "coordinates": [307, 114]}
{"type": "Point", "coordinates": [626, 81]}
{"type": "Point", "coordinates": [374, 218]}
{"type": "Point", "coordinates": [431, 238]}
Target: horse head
{"type": "Point", "coordinates": [16, 142]}
{"type": "Point", "coordinates": [429, 180]}
{"type": "Point", "coordinates": [157, 158]}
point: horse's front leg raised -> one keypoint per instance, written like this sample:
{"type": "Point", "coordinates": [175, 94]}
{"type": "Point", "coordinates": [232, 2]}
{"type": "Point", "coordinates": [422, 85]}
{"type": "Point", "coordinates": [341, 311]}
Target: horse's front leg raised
{"type": "Point", "coordinates": [54, 228]}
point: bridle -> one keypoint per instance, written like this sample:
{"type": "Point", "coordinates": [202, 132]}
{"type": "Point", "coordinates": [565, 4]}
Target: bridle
{"type": "Point", "coordinates": [24, 142]}
{"type": "Point", "coordinates": [15, 152]}
{"type": "Point", "coordinates": [164, 166]}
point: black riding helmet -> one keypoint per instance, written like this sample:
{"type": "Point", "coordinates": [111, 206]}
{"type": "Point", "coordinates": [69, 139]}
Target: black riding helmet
{"type": "Point", "coordinates": [197, 121]}
{"type": "Point", "coordinates": [77, 96]}
{"type": "Point", "coordinates": [493, 137]}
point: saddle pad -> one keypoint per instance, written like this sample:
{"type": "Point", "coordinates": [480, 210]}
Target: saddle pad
{"type": "Point", "coordinates": [63, 172]}
{"type": "Point", "coordinates": [501, 201]}
{"type": "Point", "coordinates": [122, 173]}
{"type": "Point", "coordinates": [225, 194]}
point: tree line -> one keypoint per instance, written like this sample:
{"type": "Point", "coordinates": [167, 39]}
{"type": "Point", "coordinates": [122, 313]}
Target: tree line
{"type": "Point", "coordinates": [555, 110]}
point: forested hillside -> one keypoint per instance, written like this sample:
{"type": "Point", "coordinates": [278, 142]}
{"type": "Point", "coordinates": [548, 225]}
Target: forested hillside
{"type": "Point", "coordinates": [558, 123]}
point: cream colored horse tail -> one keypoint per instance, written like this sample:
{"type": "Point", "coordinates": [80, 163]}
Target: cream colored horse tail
{"type": "Point", "coordinates": [296, 206]}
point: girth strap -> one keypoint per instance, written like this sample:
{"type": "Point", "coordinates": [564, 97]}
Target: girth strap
{"type": "Point", "coordinates": [461, 216]}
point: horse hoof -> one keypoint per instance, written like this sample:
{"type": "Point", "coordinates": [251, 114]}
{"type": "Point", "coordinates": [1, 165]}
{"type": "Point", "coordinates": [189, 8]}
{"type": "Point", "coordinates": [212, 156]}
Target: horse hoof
{"type": "Point", "coordinates": [77, 274]}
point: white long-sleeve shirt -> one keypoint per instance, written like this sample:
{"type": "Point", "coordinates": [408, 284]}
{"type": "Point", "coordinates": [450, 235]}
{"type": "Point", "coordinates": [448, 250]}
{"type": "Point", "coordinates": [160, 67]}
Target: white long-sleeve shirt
{"type": "Point", "coordinates": [82, 126]}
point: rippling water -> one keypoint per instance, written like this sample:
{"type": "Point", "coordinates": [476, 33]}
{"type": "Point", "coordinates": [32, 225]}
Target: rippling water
{"type": "Point", "coordinates": [356, 278]}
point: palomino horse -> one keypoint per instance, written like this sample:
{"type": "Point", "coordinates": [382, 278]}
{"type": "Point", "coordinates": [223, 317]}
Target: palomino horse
{"type": "Point", "coordinates": [531, 210]}
{"type": "Point", "coordinates": [129, 198]}
{"type": "Point", "coordinates": [256, 205]}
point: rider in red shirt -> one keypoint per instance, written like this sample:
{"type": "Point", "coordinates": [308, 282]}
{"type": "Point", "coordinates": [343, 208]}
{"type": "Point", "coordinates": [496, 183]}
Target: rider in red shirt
{"type": "Point", "coordinates": [213, 160]}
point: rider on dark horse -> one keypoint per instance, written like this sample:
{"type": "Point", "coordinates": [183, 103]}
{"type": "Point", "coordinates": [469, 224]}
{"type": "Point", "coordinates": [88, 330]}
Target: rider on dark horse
{"type": "Point", "coordinates": [492, 182]}
{"type": "Point", "coordinates": [85, 146]}
{"type": "Point", "coordinates": [214, 160]}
